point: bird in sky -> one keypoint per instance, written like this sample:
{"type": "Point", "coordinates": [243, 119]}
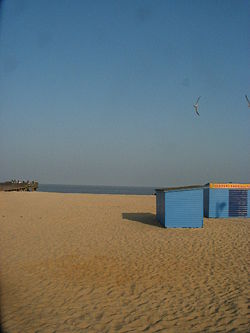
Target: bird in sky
{"type": "Point", "coordinates": [247, 101]}
{"type": "Point", "coordinates": [196, 105]}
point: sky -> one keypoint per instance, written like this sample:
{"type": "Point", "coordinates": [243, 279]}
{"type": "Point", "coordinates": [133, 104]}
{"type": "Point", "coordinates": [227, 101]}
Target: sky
{"type": "Point", "coordinates": [97, 92]}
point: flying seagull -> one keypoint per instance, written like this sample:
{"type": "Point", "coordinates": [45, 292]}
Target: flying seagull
{"type": "Point", "coordinates": [247, 101]}
{"type": "Point", "coordinates": [196, 105]}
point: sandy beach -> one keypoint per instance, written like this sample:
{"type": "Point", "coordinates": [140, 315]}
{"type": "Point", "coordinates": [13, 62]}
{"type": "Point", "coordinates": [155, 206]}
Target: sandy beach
{"type": "Point", "coordinates": [102, 263]}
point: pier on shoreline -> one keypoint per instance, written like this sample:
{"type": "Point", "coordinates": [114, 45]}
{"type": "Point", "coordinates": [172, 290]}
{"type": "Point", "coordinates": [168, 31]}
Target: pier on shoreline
{"type": "Point", "coordinates": [19, 186]}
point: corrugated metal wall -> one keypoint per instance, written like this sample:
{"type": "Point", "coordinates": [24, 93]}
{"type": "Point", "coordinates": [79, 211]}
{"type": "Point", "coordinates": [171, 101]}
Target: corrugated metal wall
{"type": "Point", "coordinates": [218, 202]}
{"type": "Point", "coordinates": [184, 209]}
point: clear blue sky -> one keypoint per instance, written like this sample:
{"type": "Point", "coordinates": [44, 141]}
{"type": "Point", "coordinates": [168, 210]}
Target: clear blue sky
{"type": "Point", "coordinates": [102, 92]}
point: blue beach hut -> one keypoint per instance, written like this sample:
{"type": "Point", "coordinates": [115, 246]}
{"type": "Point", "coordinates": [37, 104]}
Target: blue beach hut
{"type": "Point", "coordinates": [226, 200]}
{"type": "Point", "coordinates": [180, 207]}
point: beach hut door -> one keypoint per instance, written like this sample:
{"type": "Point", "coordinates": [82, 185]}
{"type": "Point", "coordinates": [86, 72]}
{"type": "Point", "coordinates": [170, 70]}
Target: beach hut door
{"type": "Point", "coordinates": [237, 203]}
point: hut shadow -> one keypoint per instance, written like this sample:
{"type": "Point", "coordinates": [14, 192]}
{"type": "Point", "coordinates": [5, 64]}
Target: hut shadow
{"type": "Point", "coordinates": [145, 218]}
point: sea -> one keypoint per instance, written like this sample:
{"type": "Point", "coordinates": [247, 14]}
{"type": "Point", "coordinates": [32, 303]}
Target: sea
{"type": "Point", "coordinates": [60, 188]}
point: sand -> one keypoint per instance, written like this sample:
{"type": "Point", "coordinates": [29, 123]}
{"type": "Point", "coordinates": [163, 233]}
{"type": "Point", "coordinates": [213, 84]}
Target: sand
{"type": "Point", "coordinates": [101, 263]}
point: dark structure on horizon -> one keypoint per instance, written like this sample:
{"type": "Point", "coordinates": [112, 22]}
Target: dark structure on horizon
{"type": "Point", "coordinates": [15, 185]}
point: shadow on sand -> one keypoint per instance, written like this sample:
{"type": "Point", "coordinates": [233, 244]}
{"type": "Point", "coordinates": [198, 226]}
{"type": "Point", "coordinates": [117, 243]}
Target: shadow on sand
{"type": "Point", "coordinates": [145, 218]}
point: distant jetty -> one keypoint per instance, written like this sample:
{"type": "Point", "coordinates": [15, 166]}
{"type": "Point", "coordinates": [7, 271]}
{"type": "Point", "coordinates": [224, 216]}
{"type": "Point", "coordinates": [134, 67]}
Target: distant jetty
{"type": "Point", "coordinates": [17, 185]}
